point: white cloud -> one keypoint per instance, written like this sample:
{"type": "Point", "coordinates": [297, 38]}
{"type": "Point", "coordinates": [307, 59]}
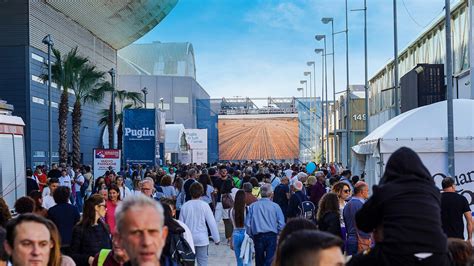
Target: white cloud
{"type": "Point", "coordinates": [284, 15]}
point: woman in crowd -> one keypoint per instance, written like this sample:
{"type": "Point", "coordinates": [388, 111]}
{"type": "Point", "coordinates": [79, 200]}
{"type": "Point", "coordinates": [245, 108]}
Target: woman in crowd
{"type": "Point", "coordinates": [99, 184]}
{"type": "Point", "coordinates": [206, 183]}
{"type": "Point", "coordinates": [178, 186]}
{"type": "Point", "coordinates": [237, 216]}
{"type": "Point", "coordinates": [24, 205]}
{"type": "Point", "coordinates": [167, 187]}
{"type": "Point", "coordinates": [55, 257]}
{"type": "Point", "coordinates": [228, 228]}
{"type": "Point", "coordinates": [343, 192]}
{"type": "Point", "coordinates": [329, 215]}
{"type": "Point", "coordinates": [37, 196]}
{"type": "Point", "coordinates": [113, 199]}
{"type": "Point", "coordinates": [124, 190]}
{"type": "Point", "coordinates": [90, 235]}
{"type": "Point", "coordinates": [309, 184]}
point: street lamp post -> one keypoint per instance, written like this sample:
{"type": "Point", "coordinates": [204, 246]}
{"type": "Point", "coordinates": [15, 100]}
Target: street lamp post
{"type": "Point", "coordinates": [348, 93]}
{"type": "Point", "coordinates": [321, 51]}
{"type": "Point", "coordinates": [449, 88]}
{"type": "Point", "coordinates": [302, 91]}
{"type": "Point", "coordinates": [308, 73]}
{"type": "Point", "coordinates": [395, 58]}
{"type": "Point", "coordinates": [145, 92]}
{"type": "Point", "coordinates": [112, 75]}
{"type": "Point", "coordinates": [49, 41]}
{"type": "Point", "coordinates": [305, 134]}
{"type": "Point", "coordinates": [319, 38]}
{"type": "Point", "coordinates": [313, 117]}
{"type": "Point", "coordinates": [326, 21]}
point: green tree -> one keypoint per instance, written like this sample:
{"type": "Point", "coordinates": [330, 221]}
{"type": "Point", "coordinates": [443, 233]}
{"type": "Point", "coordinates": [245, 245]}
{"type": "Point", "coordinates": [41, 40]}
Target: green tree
{"type": "Point", "coordinates": [87, 89]}
{"type": "Point", "coordinates": [125, 100]}
{"type": "Point", "coordinates": [63, 72]}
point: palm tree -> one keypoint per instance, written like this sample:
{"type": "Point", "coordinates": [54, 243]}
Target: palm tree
{"type": "Point", "coordinates": [121, 96]}
{"type": "Point", "coordinates": [63, 72]}
{"type": "Point", "coordinates": [86, 89]}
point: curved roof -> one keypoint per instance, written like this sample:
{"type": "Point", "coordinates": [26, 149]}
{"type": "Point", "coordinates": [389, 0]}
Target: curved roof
{"type": "Point", "coordinates": [118, 23]}
{"type": "Point", "coordinates": [423, 129]}
{"type": "Point", "coordinates": [171, 59]}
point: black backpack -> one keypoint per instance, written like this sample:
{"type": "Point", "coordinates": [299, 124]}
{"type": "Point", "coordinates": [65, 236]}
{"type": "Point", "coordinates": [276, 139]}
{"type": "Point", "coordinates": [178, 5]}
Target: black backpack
{"type": "Point", "coordinates": [181, 251]}
{"type": "Point", "coordinates": [307, 209]}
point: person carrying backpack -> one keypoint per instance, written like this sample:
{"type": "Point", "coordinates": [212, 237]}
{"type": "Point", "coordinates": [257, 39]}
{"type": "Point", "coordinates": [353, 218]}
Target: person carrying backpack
{"type": "Point", "coordinates": [298, 197]}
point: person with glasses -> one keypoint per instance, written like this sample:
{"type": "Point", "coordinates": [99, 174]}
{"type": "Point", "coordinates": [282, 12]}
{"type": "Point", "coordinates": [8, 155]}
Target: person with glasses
{"type": "Point", "coordinates": [343, 192]}
{"type": "Point", "coordinates": [91, 234]}
{"type": "Point", "coordinates": [357, 241]}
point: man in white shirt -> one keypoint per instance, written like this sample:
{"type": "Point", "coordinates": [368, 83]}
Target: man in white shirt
{"type": "Point", "coordinates": [78, 182]}
{"type": "Point", "coordinates": [195, 213]}
{"type": "Point", "coordinates": [48, 200]}
{"type": "Point", "coordinates": [65, 179]}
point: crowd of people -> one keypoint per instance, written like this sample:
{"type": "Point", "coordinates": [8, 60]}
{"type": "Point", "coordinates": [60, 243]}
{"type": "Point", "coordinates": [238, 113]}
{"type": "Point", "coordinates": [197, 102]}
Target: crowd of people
{"type": "Point", "coordinates": [273, 214]}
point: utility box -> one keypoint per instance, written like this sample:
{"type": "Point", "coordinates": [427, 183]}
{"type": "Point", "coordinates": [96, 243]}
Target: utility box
{"type": "Point", "coordinates": [423, 85]}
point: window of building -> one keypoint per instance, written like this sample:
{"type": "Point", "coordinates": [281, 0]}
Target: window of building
{"type": "Point", "coordinates": [37, 57]}
{"type": "Point", "coordinates": [38, 164]}
{"type": "Point", "coordinates": [70, 109]}
{"type": "Point", "coordinates": [37, 79]}
{"type": "Point", "coordinates": [166, 106]}
{"type": "Point", "coordinates": [37, 100]}
{"type": "Point", "coordinates": [37, 154]}
{"type": "Point", "coordinates": [181, 100]}
{"type": "Point", "coordinates": [55, 154]}
{"type": "Point", "coordinates": [54, 105]}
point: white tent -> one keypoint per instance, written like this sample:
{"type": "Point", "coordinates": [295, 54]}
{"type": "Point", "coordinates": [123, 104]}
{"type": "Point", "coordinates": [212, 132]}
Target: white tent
{"type": "Point", "coordinates": [424, 130]}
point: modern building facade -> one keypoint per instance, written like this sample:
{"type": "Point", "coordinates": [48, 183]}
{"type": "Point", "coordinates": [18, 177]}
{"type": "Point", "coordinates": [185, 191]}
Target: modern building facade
{"type": "Point", "coordinates": [96, 28]}
{"type": "Point", "coordinates": [168, 72]}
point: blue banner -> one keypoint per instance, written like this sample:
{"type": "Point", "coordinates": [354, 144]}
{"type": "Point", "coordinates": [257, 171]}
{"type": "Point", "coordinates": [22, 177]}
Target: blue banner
{"type": "Point", "coordinates": [139, 136]}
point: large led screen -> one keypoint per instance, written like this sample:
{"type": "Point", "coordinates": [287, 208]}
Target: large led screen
{"type": "Point", "coordinates": [258, 139]}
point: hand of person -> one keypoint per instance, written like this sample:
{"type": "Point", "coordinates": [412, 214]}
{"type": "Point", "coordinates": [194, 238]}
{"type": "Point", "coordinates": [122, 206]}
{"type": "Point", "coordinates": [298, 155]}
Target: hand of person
{"type": "Point", "coordinates": [91, 260]}
{"type": "Point", "coordinates": [231, 246]}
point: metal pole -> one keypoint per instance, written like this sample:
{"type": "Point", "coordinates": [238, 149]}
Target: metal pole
{"type": "Point", "coordinates": [395, 56]}
{"type": "Point", "coordinates": [112, 74]}
{"type": "Point", "coordinates": [49, 41]}
{"type": "Point", "coordinates": [471, 51]}
{"type": "Point", "coordinates": [323, 154]}
{"type": "Point", "coordinates": [334, 91]}
{"type": "Point", "coordinates": [366, 72]}
{"type": "Point", "coordinates": [449, 88]}
{"type": "Point", "coordinates": [327, 103]}
{"type": "Point", "coordinates": [348, 108]}
{"type": "Point", "coordinates": [315, 105]}
{"type": "Point", "coordinates": [310, 116]}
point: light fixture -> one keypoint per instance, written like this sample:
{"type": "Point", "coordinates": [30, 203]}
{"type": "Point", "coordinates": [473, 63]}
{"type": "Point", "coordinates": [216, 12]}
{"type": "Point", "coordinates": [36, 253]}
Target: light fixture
{"type": "Point", "coordinates": [319, 37]}
{"type": "Point", "coordinates": [326, 20]}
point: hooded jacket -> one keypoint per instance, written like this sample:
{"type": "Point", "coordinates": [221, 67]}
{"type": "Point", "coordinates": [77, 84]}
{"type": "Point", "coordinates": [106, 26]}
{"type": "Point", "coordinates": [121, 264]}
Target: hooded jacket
{"type": "Point", "coordinates": [406, 204]}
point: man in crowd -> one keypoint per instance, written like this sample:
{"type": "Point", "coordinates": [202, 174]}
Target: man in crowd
{"type": "Point", "coordinates": [54, 172]}
{"type": "Point", "coordinates": [78, 182]}
{"type": "Point", "coordinates": [187, 184]}
{"type": "Point", "coordinates": [28, 240]}
{"type": "Point", "coordinates": [140, 230]}
{"type": "Point", "coordinates": [318, 189]}
{"type": "Point", "coordinates": [311, 248]}
{"type": "Point", "coordinates": [249, 197]}
{"type": "Point", "coordinates": [296, 199]}
{"type": "Point", "coordinates": [31, 183]}
{"type": "Point", "coordinates": [147, 187]}
{"type": "Point", "coordinates": [453, 208]}
{"type": "Point", "coordinates": [282, 195]}
{"type": "Point", "coordinates": [361, 194]}
{"type": "Point", "coordinates": [263, 223]}
{"type": "Point", "coordinates": [65, 179]}
{"type": "Point", "coordinates": [224, 180]}
{"type": "Point", "coordinates": [48, 200]}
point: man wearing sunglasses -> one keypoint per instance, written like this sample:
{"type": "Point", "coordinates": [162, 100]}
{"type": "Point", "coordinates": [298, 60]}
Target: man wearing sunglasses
{"type": "Point", "coordinates": [361, 194]}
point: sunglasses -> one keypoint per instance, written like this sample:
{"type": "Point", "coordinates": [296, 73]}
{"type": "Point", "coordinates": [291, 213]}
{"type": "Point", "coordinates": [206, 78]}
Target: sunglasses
{"type": "Point", "coordinates": [347, 191]}
{"type": "Point", "coordinates": [102, 205]}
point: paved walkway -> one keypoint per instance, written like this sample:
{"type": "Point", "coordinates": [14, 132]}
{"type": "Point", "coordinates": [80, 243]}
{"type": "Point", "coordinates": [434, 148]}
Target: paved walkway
{"type": "Point", "coordinates": [221, 255]}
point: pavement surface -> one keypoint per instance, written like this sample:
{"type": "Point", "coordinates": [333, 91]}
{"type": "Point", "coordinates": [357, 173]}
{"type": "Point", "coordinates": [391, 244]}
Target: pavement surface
{"type": "Point", "coordinates": [221, 255]}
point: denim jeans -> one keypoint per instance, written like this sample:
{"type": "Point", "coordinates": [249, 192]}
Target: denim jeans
{"type": "Point", "coordinates": [351, 246]}
{"type": "Point", "coordinates": [201, 255]}
{"type": "Point", "coordinates": [238, 238]}
{"type": "Point", "coordinates": [79, 201]}
{"type": "Point", "coordinates": [265, 246]}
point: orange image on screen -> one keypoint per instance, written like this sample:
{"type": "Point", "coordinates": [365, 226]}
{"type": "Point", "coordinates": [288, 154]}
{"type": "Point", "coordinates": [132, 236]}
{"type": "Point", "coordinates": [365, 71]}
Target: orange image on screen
{"type": "Point", "coordinates": [258, 139]}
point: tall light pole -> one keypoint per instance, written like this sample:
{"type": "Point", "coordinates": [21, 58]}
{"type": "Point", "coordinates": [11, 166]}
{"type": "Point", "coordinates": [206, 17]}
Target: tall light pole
{"type": "Point", "coordinates": [145, 92]}
{"type": "Point", "coordinates": [308, 73]}
{"type": "Point", "coordinates": [395, 58]}
{"type": "Point", "coordinates": [49, 41]}
{"type": "Point", "coordinates": [305, 82]}
{"type": "Point", "coordinates": [302, 91]}
{"type": "Point", "coordinates": [313, 117]}
{"type": "Point", "coordinates": [348, 93]}
{"type": "Point", "coordinates": [319, 38]}
{"type": "Point", "coordinates": [305, 134]}
{"type": "Point", "coordinates": [366, 78]}
{"type": "Point", "coordinates": [449, 88]}
{"type": "Point", "coordinates": [112, 75]}
{"type": "Point", "coordinates": [326, 21]}
{"type": "Point", "coordinates": [321, 51]}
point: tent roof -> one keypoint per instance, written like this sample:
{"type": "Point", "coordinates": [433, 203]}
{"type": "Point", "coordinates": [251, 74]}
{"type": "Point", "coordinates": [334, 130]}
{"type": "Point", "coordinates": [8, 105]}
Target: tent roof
{"type": "Point", "coordinates": [423, 129]}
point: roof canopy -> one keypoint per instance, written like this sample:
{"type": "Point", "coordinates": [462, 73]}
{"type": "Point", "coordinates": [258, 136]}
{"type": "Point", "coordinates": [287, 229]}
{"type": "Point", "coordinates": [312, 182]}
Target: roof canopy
{"type": "Point", "coordinates": [423, 129]}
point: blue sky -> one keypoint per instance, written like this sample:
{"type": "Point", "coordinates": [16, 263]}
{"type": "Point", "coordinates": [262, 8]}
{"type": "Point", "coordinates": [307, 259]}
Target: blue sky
{"type": "Point", "coordinates": [259, 48]}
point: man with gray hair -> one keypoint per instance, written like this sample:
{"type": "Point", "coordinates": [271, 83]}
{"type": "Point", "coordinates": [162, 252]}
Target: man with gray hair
{"type": "Point", "coordinates": [263, 223]}
{"type": "Point", "coordinates": [140, 229]}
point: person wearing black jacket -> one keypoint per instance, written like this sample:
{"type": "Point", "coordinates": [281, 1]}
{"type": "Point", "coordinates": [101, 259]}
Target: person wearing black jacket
{"type": "Point", "coordinates": [328, 214]}
{"type": "Point", "coordinates": [295, 201]}
{"type": "Point", "coordinates": [404, 211]}
{"type": "Point", "coordinates": [91, 234]}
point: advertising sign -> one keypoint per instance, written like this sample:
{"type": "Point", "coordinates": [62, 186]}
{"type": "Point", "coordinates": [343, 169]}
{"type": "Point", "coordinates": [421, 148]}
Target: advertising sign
{"type": "Point", "coordinates": [105, 159]}
{"type": "Point", "coordinates": [196, 138]}
{"type": "Point", "coordinates": [139, 136]}
{"type": "Point", "coordinates": [199, 156]}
